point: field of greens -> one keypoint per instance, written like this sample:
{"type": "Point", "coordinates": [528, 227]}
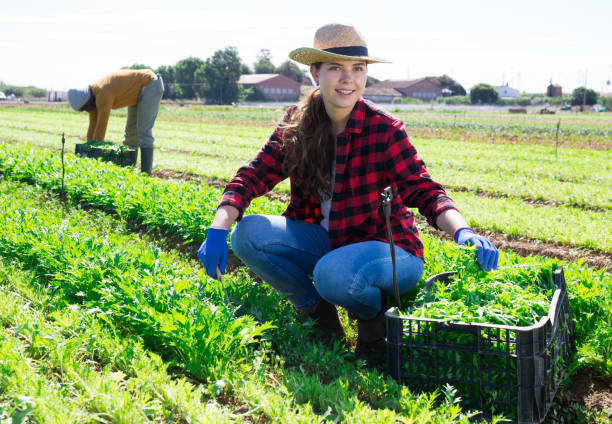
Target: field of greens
{"type": "Point", "coordinates": [547, 194]}
{"type": "Point", "coordinates": [104, 322]}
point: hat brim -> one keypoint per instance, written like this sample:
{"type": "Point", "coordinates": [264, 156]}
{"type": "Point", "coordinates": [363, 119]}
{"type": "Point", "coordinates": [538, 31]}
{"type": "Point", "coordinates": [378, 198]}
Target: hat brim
{"type": "Point", "coordinates": [309, 55]}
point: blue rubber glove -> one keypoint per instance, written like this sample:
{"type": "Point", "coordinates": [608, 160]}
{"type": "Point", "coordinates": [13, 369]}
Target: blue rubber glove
{"type": "Point", "coordinates": [486, 253]}
{"type": "Point", "coordinates": [213, 252]}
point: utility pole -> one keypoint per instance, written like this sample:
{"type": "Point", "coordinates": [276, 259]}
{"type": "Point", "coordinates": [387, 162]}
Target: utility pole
{"type": "Point", "coordinates": [584, 92]}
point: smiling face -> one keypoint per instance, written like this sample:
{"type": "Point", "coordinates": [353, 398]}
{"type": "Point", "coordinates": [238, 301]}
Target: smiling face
{"type": "Point", "coordinates": [341, 84]}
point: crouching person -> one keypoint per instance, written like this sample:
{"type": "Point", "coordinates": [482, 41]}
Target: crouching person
{"type": "Point", "coordinates": [330, 246]}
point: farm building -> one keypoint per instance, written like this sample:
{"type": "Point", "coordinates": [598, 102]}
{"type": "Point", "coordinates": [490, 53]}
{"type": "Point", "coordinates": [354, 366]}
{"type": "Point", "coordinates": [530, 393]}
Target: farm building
{"type": "Point", "coordinates": [273, 86]}
{"type": "Point", "coordinates": [554, 90]}
{"type": "Point", "coordinates": [307, 80]}
{"type": "Point", "coordinates": [386, 91]}
{"type": "Point", "coordinates": [57, 96]}
{"type": "Point", "coordinates": [507, 92]}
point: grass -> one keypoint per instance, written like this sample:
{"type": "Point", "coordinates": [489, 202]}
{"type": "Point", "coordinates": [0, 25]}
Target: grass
{"type": "Point", "coordinates": [61, 363]}
{"type": "Point", "coordinates": [71, 254]}
{"type": "Point", "coordinates": [512, 216]}
{"type": "Point", "coordinates": [310, 384]}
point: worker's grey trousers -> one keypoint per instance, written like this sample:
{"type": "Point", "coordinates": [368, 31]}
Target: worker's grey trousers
{"type": "Point", "coordinates": [141, 117]}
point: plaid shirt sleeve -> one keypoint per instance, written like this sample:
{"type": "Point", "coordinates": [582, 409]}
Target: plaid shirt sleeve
{"type": "Point", "coordinates": [259, 176]}
{"type": "Point", "coordinates": [415, 185]}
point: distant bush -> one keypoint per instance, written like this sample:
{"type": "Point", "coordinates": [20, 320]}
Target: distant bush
{"type": "Point", "coordinates": [535, 99]}
{"type": "Point", "coordinates": [19, 91]}
{"type": "Point", "coordinates": [578, 96]}
{"type": "Point", "coordinates": [539, 99]}
{"type": "Point", "coordinates": [455, 100]}
{"type": "Point", "coordinates": [409, 100]}
{"type": "Point", "coordinates": [252, 94]}
{"type": "Point", "coordinates": [483, 93]}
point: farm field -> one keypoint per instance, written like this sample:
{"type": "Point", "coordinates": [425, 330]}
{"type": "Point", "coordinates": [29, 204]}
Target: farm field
{"type": "Point", "coordinates": [158, 300]}
{"type": "Point", "coordinates": [535, 191]}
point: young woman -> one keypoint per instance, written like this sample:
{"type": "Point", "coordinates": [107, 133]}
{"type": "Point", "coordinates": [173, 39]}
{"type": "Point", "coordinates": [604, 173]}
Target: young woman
{"type": "Point", "coordinates": [330, 246]}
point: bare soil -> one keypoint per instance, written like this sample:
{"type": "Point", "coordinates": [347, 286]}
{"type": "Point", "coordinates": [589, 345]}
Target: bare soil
{"type": "Point", "coordinates": [587, 390]}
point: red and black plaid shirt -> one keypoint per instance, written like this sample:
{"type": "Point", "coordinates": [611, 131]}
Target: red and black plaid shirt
{"type": "Point", "coordinates": [372, 153]}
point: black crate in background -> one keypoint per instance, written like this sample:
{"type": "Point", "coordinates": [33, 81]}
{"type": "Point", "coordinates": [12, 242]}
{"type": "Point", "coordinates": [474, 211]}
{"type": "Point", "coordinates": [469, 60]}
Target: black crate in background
{"type": "Point", "coordinates": [125, 157]}
{"type": "Point", "coordinates": [497, 369]}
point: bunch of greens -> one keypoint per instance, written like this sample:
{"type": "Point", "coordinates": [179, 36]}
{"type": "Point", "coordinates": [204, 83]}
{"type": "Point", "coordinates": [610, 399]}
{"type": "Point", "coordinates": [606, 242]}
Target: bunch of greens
{"type": "Point", "coordinates": [108, 145]}
{"type": "Point", "coordinates": [514, 294]}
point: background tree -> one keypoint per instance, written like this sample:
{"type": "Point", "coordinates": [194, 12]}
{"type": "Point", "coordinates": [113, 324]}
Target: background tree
{"type": "Point", "coordinates": [457, 89]}
{"type": "Point", "coordinates": [183, 74]}
{"type": "Point", "coordinates": [371, 80]}
{"type": "Point", "coordinates": [219, 77]}
{"type": "Point", "coordinates": [578, 96]}
{"type": "Point", "coordinates": [264, 64]}
{"type": "Point", "coordinates": [291, 70]}
{"type": "Point", "coordinates": [449, 86]}
{"type": "Point", "coordinates": [167, 73]}
{"type": "Point", "coordinates": [245, 70]}
{"type": "Point", "coordinates": [483, 93]}
{"type": "Point", "coordinates": [137, 66]}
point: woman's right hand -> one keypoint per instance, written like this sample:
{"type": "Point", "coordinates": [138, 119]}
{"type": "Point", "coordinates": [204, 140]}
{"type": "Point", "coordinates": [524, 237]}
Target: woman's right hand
{"type": "Point", "coordinates": [214, 251]}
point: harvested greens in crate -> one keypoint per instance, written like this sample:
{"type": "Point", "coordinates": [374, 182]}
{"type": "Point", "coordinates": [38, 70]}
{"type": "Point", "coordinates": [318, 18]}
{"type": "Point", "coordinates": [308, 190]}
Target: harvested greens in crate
{"type": "Point", "coordinates": [108, 152]}
{"type": "Point", "coordinates": [503, 339]}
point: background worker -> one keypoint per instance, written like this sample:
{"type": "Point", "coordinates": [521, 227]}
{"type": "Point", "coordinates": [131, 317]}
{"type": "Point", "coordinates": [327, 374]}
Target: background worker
{"type": "Point", "coordinates": [330, 246]}
{"type": "Point", "coordinates": [140, 91]}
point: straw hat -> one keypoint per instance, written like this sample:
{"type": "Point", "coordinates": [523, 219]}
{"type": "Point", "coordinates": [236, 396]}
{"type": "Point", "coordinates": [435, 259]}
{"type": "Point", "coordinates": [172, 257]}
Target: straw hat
{"type": "Point", "coordinates": [335, 42]}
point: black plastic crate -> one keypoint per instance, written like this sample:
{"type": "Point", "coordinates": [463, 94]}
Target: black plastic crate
{"type": "Point", "coordinates": [107, 152]}
{"type": "Point", "coordinates": [497, 369]}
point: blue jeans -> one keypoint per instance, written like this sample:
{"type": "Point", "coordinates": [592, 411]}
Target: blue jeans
{"type": "Point", "coordinates": [294, 257]}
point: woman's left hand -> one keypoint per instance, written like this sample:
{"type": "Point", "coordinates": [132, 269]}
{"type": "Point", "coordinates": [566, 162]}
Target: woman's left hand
{"type": "Point", "coordinates": [486, 253]}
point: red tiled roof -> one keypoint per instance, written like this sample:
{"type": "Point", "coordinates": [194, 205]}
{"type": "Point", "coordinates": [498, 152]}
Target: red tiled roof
{"type": "Point", "coordinates": [375, 90]}
{"type": "Point", "coordinates": [396, 83]}
{"type": "Point", "coordinates": [255, 78]}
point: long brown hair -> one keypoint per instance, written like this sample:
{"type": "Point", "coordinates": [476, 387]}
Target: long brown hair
{"type": "Point", "coordinates": [310, 147]}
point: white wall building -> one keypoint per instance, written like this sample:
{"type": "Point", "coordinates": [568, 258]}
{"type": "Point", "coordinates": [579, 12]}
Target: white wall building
{"type": "Point", "coordinates": [506, 92]}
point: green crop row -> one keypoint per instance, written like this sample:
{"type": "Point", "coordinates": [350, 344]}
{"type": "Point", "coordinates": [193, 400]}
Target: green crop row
{"type": "Point", "coordinates": [301, 385]}
{"type": "Point", "coordinates": [571, 124]}
{"type": "Point", "coordinates": [138, 287]}
{"type": "Point", "coordinates": [197, 324]}
{"type": "Point", "coordinates": [128, 193]}
{"type": "Point", "coordinates": [153, 203]}
{"type": "Point", "coordinates": [62, 364]}
{"type": "Point", "coordinates": [511, 124]}
{"type": "Point", "coordinates": [562, 224]}
{"type": "Point", "coordinates": [533, 173]}
{"type": "Point", "coordinates": [508, 215]}
{"type": "Point", "coordinates": [185, 135]}
{"type": "Point", "coordinates": [571, 176]}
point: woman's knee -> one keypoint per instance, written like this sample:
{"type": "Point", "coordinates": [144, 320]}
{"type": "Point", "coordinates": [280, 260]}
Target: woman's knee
{"type": "Point", "coordinates": [328, 279]}
{"type": "Point", "coordinates": [239, 238]}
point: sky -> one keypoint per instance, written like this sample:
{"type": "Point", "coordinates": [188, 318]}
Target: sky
{"type": "Point", "coordinates": [524, 43]}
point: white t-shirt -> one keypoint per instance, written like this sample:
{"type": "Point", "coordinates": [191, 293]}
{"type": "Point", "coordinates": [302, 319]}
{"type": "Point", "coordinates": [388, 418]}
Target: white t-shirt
{"type": "Point", "coordinates": [326, 204]}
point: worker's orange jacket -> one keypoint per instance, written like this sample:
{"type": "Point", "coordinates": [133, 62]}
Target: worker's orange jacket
{"type": "Point", "coordinates": [116, 90]}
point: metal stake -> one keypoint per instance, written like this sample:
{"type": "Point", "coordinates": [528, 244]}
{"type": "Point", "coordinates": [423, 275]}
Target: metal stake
{"type": "Point", "coordinates": [387, 197]}
{"type": "Point", "coordinates": [63, 170]}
